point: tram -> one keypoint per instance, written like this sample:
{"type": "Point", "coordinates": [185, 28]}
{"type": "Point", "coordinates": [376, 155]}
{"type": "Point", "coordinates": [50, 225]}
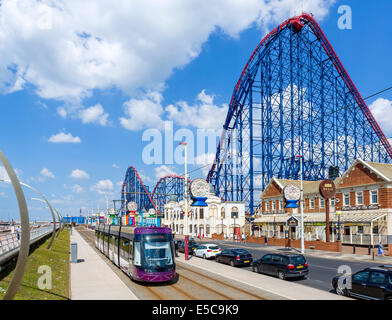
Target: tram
{"type": "Point", "coordinates": [145, 254]}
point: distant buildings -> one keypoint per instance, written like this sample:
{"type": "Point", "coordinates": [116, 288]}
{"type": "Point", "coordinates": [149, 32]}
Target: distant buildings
{"type": "Point", "coordinates": [217, 217]}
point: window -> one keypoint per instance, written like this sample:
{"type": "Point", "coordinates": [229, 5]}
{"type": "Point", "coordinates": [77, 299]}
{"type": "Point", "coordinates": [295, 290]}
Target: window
{"type": "Point", "coordinates": [267, 206]}
{"type": "Point", "coordinates": [360, 229]}
{"type": "Point", "coordinates": [273, 206]}
{"type": "Point", "coordinates": [346, 200]}
{"type": "Point", "coordinates": [312, 203]}
{"type": "Point", "coordinates": [280, 204]}
{"type": "Point", "coordinates": [375, 230]}
{"type": "Point", "coordinates": [374, 197]}
{"type": "Point", "coordinates": [322, 202]}
{"type": "Point", "coordinates": [201, 213]}
{"type": "Point", "coordinates": [223, 213]}
{"type": "Point", "coordinates": [361, 276]}
{"type": "Point", "coordinates": [359, 198]}
{"type": "Point", "coordinates": [267, 258]}
{"type": "Point", "coordinates": [377, 277]}
{"type": "Point", "coordinates": [332, 202]}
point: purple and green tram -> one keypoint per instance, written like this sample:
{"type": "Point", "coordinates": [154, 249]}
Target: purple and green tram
{"type": "Point", "coordinates": [145, 254]}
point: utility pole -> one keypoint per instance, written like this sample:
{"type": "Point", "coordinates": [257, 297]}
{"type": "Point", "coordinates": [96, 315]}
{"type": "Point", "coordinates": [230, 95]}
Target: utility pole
{"type": "Point", "coordinates": [302, 207]}
{"type": "Point", "coordinates": [186, 201]}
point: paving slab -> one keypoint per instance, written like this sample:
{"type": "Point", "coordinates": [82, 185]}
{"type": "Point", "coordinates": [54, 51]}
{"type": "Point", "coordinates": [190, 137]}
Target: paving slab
{"type": "Point", "coordinates": [284, 289]}
{"type": "Point", "coordinates": [92, 279]}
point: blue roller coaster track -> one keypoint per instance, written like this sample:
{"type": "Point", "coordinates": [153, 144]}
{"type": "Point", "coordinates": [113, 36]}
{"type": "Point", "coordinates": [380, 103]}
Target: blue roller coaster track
{"type": "Point", "coordinates": [294, 97]}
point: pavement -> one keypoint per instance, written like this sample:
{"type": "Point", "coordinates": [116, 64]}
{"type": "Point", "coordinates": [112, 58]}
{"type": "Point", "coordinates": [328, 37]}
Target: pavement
{"type": "Point", "coordinates": [272, 286]}
{"type": "Point", "coordinates": [92, 279]}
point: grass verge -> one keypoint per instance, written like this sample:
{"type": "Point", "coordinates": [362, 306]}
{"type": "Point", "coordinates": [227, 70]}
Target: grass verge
{"type": "Point", "coordinates": [57, 259]}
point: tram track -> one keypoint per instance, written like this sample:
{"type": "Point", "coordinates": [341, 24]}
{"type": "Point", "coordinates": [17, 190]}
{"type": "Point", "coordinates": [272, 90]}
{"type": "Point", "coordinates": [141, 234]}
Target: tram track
{"type": "Point", "coordinates": [189, 284]}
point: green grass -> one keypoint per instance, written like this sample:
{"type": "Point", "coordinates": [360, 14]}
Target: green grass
{"type": "Point", "coordinates": [57, 258]}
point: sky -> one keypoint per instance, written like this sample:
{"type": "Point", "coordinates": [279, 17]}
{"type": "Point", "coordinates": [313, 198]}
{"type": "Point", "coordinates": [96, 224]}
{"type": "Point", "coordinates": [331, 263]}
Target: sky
{"type": "Point", "coordinates": [84, 85]}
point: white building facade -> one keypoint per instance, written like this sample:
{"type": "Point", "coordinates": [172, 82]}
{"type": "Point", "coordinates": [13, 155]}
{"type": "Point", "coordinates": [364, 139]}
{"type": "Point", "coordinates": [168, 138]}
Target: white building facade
{"type": "Point", "coordinates": [214, 218]}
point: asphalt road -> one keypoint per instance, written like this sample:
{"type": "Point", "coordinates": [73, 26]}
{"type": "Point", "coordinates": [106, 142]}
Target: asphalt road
{"type": "Point", "coordinates": [321, 270]}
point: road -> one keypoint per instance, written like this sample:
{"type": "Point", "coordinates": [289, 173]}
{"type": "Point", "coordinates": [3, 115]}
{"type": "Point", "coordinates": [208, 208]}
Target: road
{"type": "Point", "coordinates": [321, 270]}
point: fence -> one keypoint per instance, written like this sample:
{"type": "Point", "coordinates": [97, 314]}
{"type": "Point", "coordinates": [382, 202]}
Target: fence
{"type": "Point", "coordinates": [10, 241]}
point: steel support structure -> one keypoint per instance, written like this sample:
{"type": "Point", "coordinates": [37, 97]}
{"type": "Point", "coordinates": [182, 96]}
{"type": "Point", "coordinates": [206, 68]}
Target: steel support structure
{"type": "Point", "coordinates": [293, 97]}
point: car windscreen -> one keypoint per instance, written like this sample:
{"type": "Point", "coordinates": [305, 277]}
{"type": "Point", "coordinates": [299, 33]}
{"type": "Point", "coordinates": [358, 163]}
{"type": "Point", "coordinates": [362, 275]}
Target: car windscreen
{"type": "Point", "coordinates": [157, 252]}
{"type": "Point", "coordinates": [213, 247]}
{"type": "Point", "coordinates": [297, 260]}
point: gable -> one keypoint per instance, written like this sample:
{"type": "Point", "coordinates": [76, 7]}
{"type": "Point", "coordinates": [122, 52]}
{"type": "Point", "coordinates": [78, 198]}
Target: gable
{"type": "Point", "coordinates": [360, 175]}
{"type": "Point", "coordinates": [272, 191]}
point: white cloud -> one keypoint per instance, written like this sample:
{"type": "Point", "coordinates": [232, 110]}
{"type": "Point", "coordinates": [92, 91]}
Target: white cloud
{"type": "Point", "coordinates": [203, 114]}
{"type": "Point", "coordinates": [143, 113]}
{"type": "Point", "coordinates": [77, 189]}
{"type": "Point", "coordinates": [79, 174]}
{"type": "Point", "coordinates": [103, 187]}
{"type": "Point", "coordinates": [3, 195]}
{"type": "Point", "coordinates": [382, 111]}
{"type": "Point", "coordinates": [163, 171]}
{"type": "Point", "coordinates": [205, 161]}
{"type": "Point", "coordinates": [94, 114]}
{"type": "Point", "coordinates": [47, 173]}
{"type": "Point", "coordinates": [64, 51]}
{"type": "Point", "coordinates": [64, 138]}
{"type": "Point", "coordinates": [115, 166]}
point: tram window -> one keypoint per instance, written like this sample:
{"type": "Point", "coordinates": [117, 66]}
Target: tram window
{"type": "Point", "coordinates": [130, 250]}
{"type": "Point", "coordinates": [136, 254]}
{"type": "Point", "coordinates": [124, 247]}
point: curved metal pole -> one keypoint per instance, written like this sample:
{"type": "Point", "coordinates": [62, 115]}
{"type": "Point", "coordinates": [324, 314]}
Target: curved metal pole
{"type": "Point", "coordinates": [51, 211]}
{"type": "Point", "coordinates": [25, 237]}
{"type": "Point", "coordinates": [59, 216]}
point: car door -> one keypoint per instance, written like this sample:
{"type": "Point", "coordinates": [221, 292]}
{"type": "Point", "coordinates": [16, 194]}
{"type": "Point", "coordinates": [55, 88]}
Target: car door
{"type": "Point", "coordinates": [224, 256]}
{"type": "Point", "coordinates": [276, 264]}
{"type": "Point", "coordinates": [265, 265]}
{"type": "Point", "coordinates": [359, 283]}
{"type": "Point", "coordinates": [200, 251]}
{"type": "Point", "coordinates": [376, 285]}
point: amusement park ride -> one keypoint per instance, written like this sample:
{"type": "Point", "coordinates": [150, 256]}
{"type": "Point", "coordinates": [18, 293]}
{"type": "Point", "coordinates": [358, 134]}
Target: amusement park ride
{"type": "Point", "coordinates": [294, 97]}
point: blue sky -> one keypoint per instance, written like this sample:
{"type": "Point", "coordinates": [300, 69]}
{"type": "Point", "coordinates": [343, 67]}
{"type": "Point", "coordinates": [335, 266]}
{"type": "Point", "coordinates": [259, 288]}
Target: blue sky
{"type": "Point", "coordinates": [64, 71]}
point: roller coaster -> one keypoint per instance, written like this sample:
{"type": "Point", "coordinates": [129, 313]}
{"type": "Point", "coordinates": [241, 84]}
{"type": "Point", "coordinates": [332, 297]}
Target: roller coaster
{"type": "Point", "coordinates": [294, 97]}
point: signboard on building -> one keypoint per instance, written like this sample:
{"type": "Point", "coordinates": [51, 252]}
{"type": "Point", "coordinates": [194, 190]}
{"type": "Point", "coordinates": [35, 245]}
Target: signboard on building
{"type": "Point", "coordinates": [291, 194]}
{"type": "Point", "coordinates": [199, 190]}
{"type": "Point", "coordinates": [292, 222]}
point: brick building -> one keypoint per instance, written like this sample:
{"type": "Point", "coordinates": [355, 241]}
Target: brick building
{"type": "Point", "coordinates": [363, 200]}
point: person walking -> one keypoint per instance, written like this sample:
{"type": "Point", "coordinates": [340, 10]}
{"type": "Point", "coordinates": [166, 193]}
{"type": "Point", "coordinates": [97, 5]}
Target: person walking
{"type": "Point", "coordinates": [380, 250]}
{"type": "Point", "coordinates": [266, 241]}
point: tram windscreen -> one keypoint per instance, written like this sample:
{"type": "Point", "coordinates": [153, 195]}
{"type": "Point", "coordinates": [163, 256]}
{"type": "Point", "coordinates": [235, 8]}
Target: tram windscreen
{"type": "Point", "coordinates": [157, 251]}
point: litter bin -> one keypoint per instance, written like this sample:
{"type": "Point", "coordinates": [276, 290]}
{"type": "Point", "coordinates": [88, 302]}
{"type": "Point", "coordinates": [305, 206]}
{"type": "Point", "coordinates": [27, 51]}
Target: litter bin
{"type": "Point", "coordinates": [74, 252]}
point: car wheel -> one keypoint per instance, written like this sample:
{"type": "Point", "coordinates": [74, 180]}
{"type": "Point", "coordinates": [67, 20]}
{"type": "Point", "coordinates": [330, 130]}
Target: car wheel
{"type": "Point", "coordinates": [204, 256]}
{"type": "Point", "coordinates": [232, 263]}
{"type": "Point", "coordinates": [217, 259]}
{"type": "Point", "coordinates": [281, 275]}
{"type": "Point", "coordinates": [340, 291]}
{"type": "Point", "coordinates": [255, 268]}
{"type": "Point", "coordinates": [389, 298]}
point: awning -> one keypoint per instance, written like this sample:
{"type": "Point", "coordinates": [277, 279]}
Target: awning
{"type": "Point", "coordinates": [311, 218]}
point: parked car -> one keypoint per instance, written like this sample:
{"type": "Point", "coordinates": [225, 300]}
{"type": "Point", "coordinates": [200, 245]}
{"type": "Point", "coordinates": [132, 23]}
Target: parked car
{"type": "Point", "coordinates": [235, 257]}
{"type": "Point", "coordinates": [192, 245]}
{"type": "Point", "coordinates": [283, 265]}
{"type": "Point", "coordinates": [374, 283]}
{"type": "Point", "coordinates": [207, 251]}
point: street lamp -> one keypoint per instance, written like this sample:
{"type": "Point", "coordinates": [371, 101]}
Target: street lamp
{"type": "Point", "coordinates": [302, 207]}
{"type": "Point", "coordinates": [339, 213]}
{"type": "Point", "coordinates": [186, 200]}
{"type": "Point", "coordinates": [25, 225]}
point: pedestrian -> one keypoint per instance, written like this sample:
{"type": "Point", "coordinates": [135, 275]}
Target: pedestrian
{"type": "Point", "coordinates": [266, 241]}
{"type": "Point", "coordinates": [380, 250]}
{"type": "Point", "coordinates": [18, 232]}
{"type": "Point", "coordinates": [203, 236]}
{"type": "Point", "coordinates": [243, 237]}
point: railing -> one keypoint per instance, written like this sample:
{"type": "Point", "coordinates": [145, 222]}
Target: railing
{"type": "Point", "coordinates": [9, 243]}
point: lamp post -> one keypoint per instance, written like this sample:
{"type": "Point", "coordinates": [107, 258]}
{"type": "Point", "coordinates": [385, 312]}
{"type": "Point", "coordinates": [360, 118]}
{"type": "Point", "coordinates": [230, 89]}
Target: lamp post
{"type": "Point", "coordinates": [274, 225]}
{"type": "Point", "coordinates": [25, 226]}
{"type": "Point", "coordinates": [339, 213]}
{"type": "Point", "coordinates": [302, 207]}
{"type": "Point", "coordinates": [186, 200]}
{"type": "Point", "coordinates": [58, 215]}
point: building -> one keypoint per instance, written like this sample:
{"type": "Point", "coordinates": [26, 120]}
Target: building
{"type": "Point", "coordinates": [214, 218]}
{"type": "Point", "coordinates": [362, 207]}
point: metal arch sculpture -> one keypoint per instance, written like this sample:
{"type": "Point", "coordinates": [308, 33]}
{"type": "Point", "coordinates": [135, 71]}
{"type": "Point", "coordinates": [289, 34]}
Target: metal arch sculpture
{"type": "Point", "coordinates": [167, 186]}
{"type": "Point", "coordinates": [133, 189]}
{"type": "Point", "coordinates": [294, 97]}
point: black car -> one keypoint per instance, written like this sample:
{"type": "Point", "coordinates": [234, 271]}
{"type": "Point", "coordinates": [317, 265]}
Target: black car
{"type": "Point", "coordinates": [192, 245]}
{"type": "Point", "coordinates": [235, 257]}
{"type": "Point", "coordinates": [283, 265]}
{"type": "Point", "coordinates": [373, 283]}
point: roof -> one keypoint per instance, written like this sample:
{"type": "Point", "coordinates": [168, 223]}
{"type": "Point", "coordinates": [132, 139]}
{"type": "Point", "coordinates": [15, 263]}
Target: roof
{"type": "Point", "coordinates": [384, 168]}
{"type": "Point", "coordinates": [345, 217]}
